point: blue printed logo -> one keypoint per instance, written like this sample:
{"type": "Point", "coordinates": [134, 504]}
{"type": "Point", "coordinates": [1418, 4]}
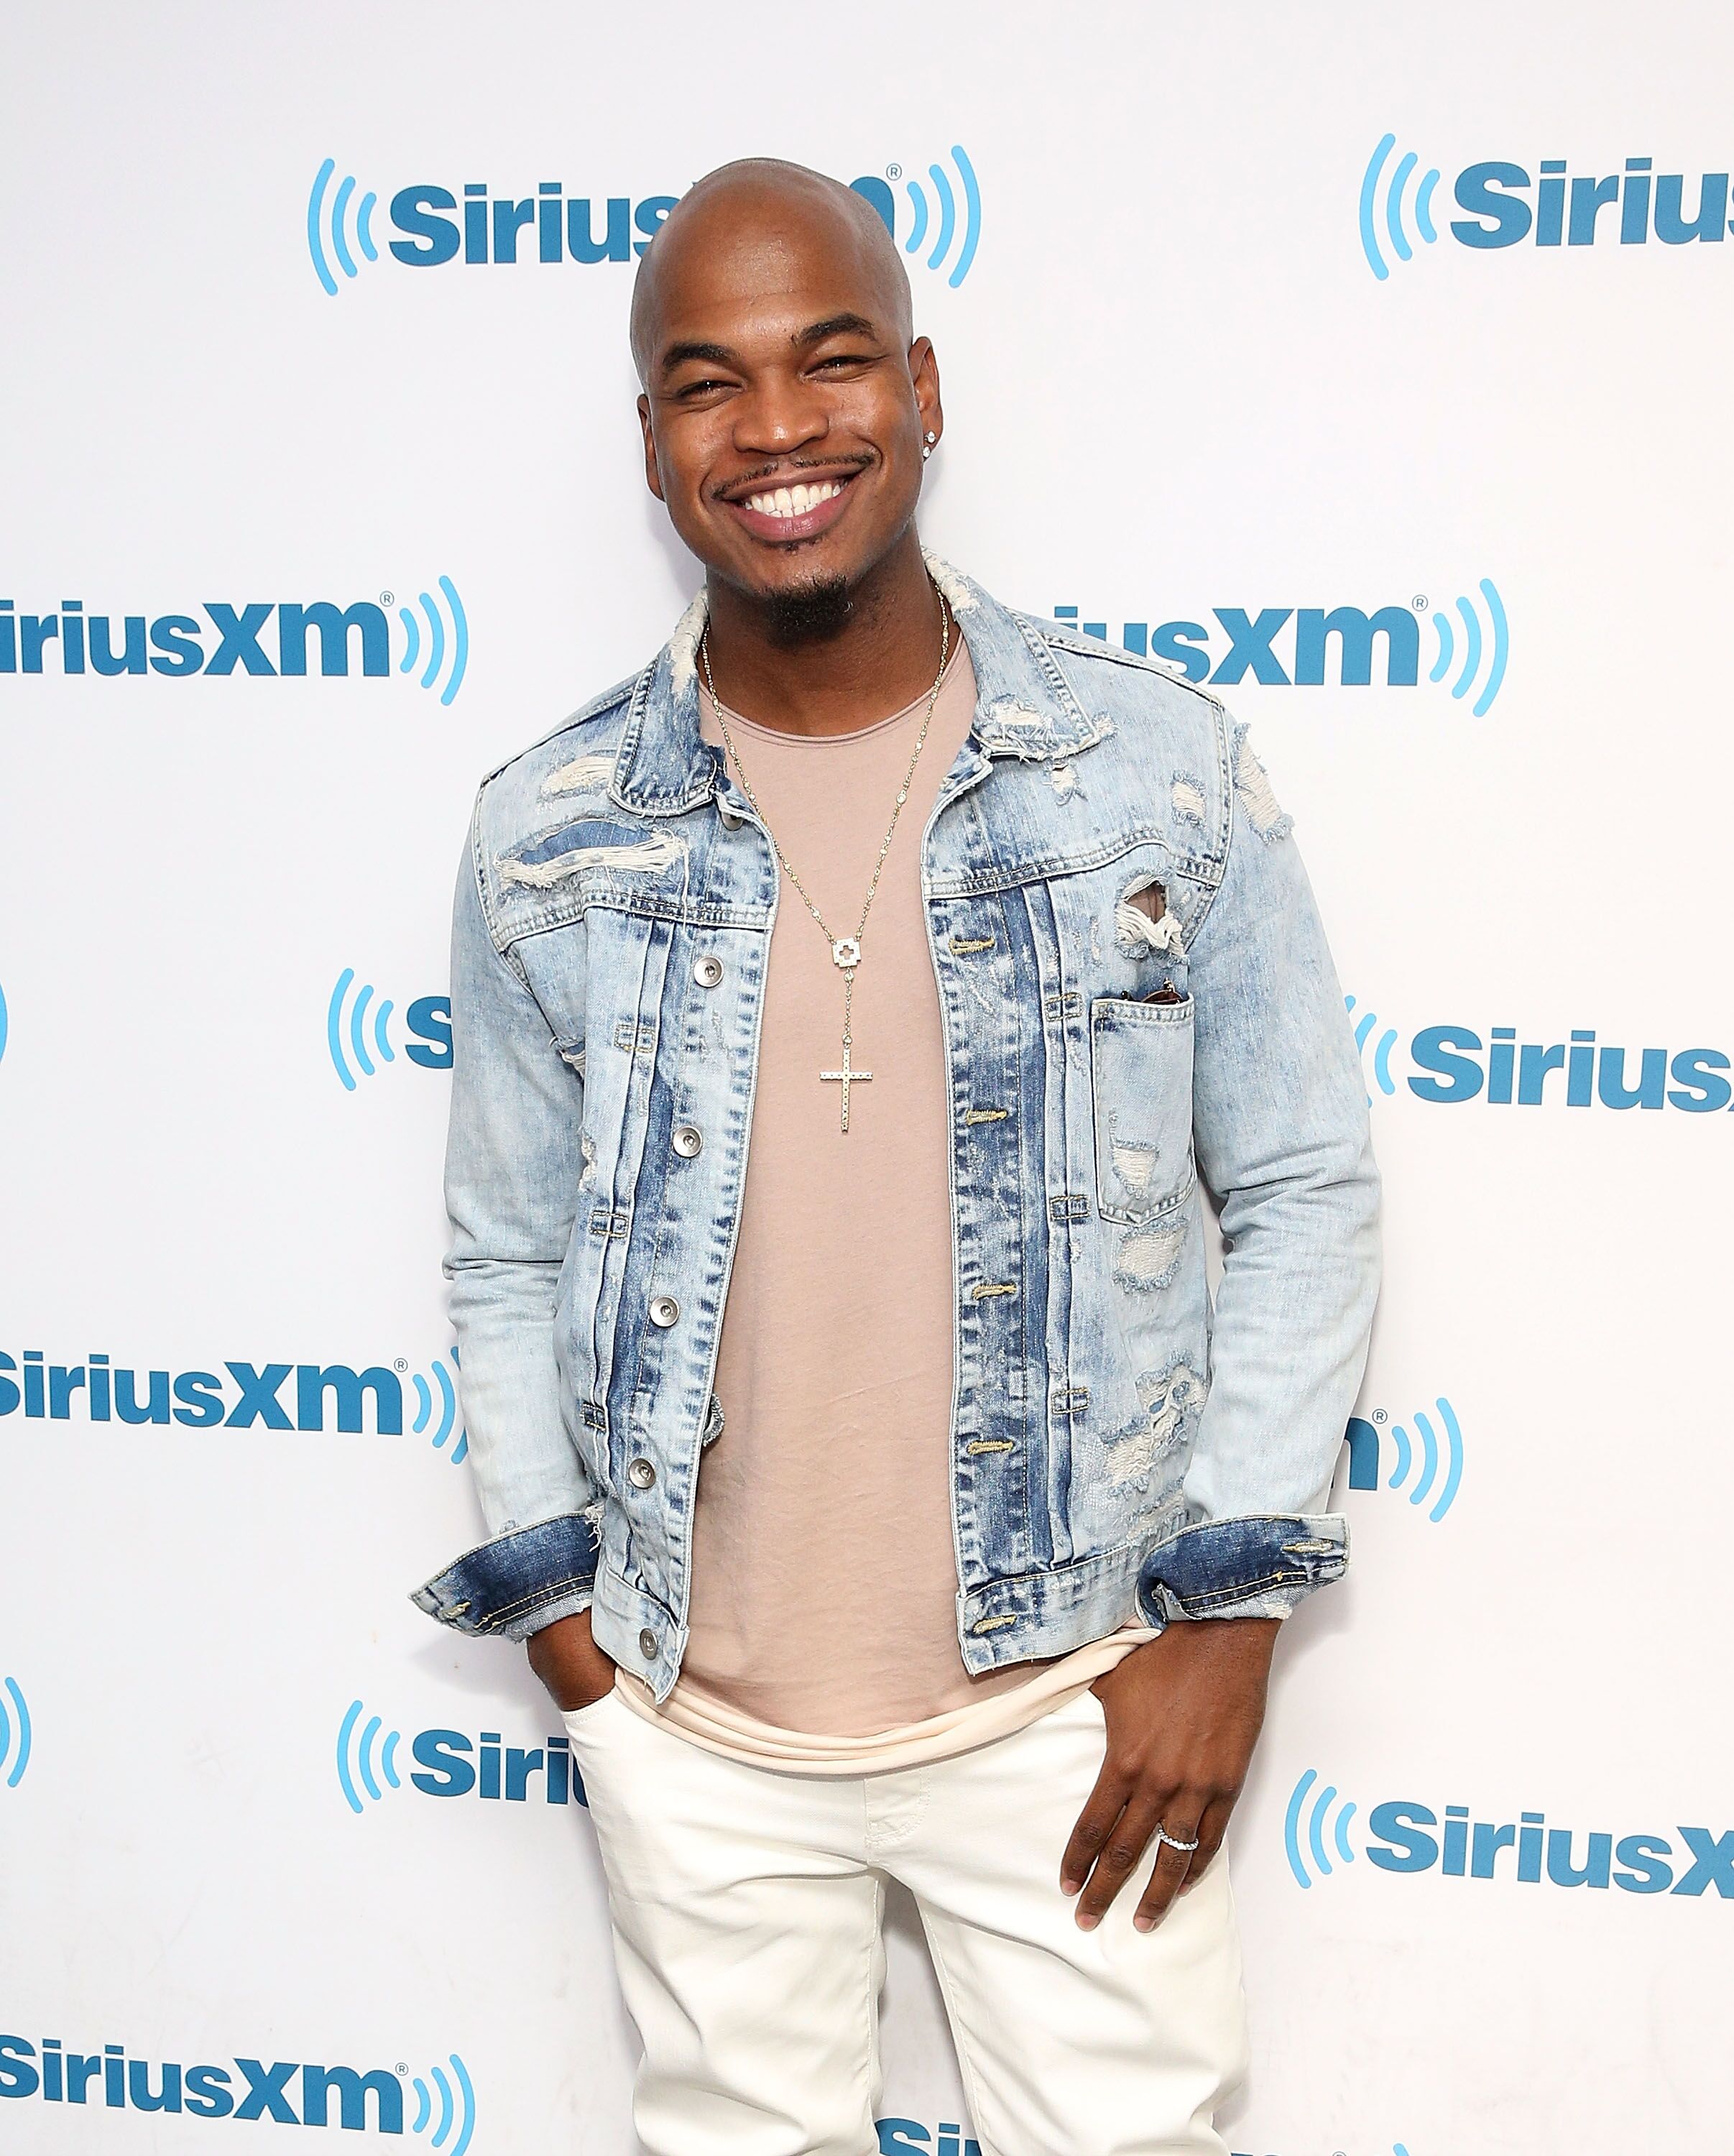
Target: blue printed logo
{"type": "Point", "coordinates": [15, 1734]}
{"type": "Point", "coordinates": [1401, 1836]}
{"type": "Point", "coordinates": [1429, 1465]}
{"type": "Point", "coordinates": [357, 1029]}
{"type": "Point", "coordinates": [1567, 210]}
{"type": "Point", "coordinates": [1336, 646]}
{"type": "Point", "coordinates": [434, 639]}
{"type": "Point", "coordinates": [945, 219]}
{"type": "Point", "coordinates": [450, 1763]}
{"type": "Point", "coordinates": [1451, 1064]}
{"type": "Point", "coordinates": [326, 1396]}
{"type": "Point", "coordinates": [292, 2094]}
{"type": "Point", "coordinates": [903, 2137]}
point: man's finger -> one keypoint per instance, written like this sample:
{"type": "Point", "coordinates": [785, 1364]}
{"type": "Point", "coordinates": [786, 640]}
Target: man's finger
{"type": "Point", "coordinates": [1169, 1873]}
{"type": "Point", "coordinates": [1095, 1823]}
{"type": "Point", "coordinates": [1119, 1857]}
{"type": "Point", "coordinates": [1211, 1829]}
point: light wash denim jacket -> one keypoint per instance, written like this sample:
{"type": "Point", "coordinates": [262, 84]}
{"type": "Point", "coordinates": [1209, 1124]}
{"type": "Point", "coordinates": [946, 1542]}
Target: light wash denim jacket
{"type": "Point", "coordinates": [1119, 1449]}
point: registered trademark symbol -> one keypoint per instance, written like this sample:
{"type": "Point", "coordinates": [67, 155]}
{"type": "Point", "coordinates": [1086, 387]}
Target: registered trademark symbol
{"type": "Point", "coordinates": [1419, 602]}
{"type": "Point", "coordinates": [894, 171]}
{"type": "Point", "coordinates": [402, 2068]}
{"type": "Point", "coordinates": [388, 599]}
{"type": "Point", "coordinates": [1378, 1415]}
{"type": "Point", "coordinates": [399, 1362]}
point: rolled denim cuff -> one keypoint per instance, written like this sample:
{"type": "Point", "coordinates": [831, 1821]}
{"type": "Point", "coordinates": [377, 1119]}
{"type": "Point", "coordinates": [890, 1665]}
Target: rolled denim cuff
{"type": "Point", "coordinates": [518, 1583]}
{"type": "Point", "coordinates": [1257, 1565]}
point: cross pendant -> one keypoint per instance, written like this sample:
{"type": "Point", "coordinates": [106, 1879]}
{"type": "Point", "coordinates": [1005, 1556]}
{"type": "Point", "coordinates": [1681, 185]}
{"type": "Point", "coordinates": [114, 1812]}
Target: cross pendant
{"type": "Point", "coordinates": [846, 1077]}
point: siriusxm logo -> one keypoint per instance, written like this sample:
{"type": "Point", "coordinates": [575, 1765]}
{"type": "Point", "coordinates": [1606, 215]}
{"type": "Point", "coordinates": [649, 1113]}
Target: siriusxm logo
{"type": "Point", "coordinates": [1567, 210]}
{"type": "Point", "coordinates": [290, 2092]}
{"type": "Point", "coordinates": [452, 1764]}
{"type": "Point", "coordinates": [327, 1396]}
{"type": "Point", "coordinates": [1452, 1064]}
{"type": "Point", "coordinates": [433, 642]}
{"type": "Point", "coordinates": [1403, 1835]}
{"type": "Point", "coordinates": [897, 2137]}
{"type": "Point", "coordinates": [1427, 1466]}
{"type": "Point", "coordinates": [1337, 644]}
{"type": "Point", "coordinates": [436, 224]}
{"type": "Point", "coordinates": [352, 1022]}
{"type": "Point", "coordinates": [14, 1733]}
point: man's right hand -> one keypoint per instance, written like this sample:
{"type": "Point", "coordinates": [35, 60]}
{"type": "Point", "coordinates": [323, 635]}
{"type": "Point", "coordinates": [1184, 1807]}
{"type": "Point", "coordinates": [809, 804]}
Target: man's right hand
{"type": "Point", "coordinates": [575, 1670]}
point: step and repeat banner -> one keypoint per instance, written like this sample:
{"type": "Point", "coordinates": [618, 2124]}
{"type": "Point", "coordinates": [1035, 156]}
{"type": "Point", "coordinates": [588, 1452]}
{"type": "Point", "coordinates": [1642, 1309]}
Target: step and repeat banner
{"type": "Point", "coordinates": [1370, 365]}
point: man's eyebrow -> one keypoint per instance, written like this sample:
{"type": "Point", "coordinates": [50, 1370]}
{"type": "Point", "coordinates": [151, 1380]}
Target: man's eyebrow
{"type": "Point", "coordinates": [833, 325]}
{"type": "Point", "coordinates": [718, 355]}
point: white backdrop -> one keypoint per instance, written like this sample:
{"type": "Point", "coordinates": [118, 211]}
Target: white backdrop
{"type": "Point", "coordinates": [1202, 357]}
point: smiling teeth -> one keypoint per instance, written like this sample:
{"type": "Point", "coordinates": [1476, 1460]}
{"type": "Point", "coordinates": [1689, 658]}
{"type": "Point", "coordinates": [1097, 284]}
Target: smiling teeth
{"type": "Point", "coordinates": [793, 500]}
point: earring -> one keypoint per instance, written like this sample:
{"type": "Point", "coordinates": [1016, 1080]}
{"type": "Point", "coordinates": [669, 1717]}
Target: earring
{"type": "Point", "coordinates": [927, 447]}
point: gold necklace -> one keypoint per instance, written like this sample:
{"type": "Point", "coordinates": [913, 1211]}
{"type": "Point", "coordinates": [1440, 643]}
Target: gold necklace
{"type": "Point", "coordinates": [846, 951]}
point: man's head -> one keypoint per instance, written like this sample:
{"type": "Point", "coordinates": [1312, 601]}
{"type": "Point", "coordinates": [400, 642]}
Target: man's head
{"type": "Point", "coordinates": [771, 328]}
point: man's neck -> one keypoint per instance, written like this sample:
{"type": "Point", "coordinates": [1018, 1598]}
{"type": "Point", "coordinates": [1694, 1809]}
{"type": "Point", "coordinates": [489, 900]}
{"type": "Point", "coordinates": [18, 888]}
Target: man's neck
{"type": "Point", "coordinates": [886, 654]}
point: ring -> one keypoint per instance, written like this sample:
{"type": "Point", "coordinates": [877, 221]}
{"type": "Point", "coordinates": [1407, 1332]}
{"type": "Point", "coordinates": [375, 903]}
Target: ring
{"type": "Point", "coordinates": [1162, 1835]}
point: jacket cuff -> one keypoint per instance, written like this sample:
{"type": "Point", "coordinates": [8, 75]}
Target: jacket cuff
{"type": "Point", "coordinates": [1259, 1565]}
{"type": "Point", "coordinates": [519, 1582]}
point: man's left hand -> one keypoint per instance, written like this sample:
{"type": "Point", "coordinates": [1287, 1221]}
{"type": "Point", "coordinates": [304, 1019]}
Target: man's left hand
{"type": "Point", "coordinates": [1183, 1713]}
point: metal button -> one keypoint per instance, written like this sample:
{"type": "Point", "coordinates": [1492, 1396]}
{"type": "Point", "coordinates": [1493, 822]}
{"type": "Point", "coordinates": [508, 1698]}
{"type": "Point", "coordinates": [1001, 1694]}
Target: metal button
{"type": "Point", "coordinates": [647, 1643]}
{"type": "Point", "coordinates": [663, 1309]}
{"type": "Point", "coordinates": [707, 971]}
{"type": "Point", "coordinates": [688, 1141]}
{"type": "Point", "coordinates": [641, 1473]}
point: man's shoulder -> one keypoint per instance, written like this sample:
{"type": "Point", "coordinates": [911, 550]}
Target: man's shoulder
{"type": "Point", "coordinates": [584, 732]}
{"type": "Point", "coordinates": [576, 758]}
{"type": "Point", "coordinates": [1128, 681]}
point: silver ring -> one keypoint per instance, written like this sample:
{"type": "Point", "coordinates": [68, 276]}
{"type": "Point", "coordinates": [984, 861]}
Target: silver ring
{"type": "Point", "coordinates": [1162, 1835]}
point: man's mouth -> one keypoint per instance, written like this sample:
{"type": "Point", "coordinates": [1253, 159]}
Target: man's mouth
{"type": "Point", "coordinates": [786, 514]}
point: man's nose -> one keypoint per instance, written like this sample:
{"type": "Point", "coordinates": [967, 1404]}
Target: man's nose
{"type": "Point", "coordinates": [782, 413]}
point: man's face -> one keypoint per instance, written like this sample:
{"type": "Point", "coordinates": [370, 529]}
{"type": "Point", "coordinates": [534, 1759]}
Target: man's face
{"type": "Point", "coordinates": [783, 411]}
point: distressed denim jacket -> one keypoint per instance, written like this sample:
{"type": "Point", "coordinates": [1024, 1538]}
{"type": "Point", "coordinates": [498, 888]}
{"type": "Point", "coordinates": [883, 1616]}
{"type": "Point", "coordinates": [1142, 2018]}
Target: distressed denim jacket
{"type": "Point", "coordinates": [1120, 1450]}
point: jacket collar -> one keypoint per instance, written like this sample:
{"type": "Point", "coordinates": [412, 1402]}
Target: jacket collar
{"type": "Point", "coordinates": [1024, 706]}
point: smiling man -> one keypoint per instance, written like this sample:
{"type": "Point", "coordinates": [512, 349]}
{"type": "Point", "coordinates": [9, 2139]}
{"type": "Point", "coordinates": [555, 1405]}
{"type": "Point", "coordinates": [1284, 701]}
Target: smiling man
{"type": "Point", "coordinates": [850, 1010]}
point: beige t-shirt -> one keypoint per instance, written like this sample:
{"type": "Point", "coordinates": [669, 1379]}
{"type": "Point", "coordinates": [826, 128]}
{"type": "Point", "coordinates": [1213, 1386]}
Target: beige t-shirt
{"type": "Point", "coordinates": [824, 1620]}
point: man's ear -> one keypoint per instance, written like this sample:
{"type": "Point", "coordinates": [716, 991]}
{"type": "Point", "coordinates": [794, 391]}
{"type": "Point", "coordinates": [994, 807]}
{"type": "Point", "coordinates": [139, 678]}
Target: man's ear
{"type": "Point", "coordinates": [653, 478]}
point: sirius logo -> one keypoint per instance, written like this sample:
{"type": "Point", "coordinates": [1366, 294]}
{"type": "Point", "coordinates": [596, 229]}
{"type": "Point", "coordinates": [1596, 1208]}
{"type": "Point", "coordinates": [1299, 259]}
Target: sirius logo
{"type": "Point", "coordinates": [175, 645]}
{"type": "Point", "coordinates": [352, 1022]}
{"type": "Point", "coordinates": [1433, 1457]}
{"type": "Point", "coordinates": [1337, 644]}
{"type": "Point", "coordinates": [328, 1396]}
{"type": "Point", "coordinates": [954, 216]}
{"type": "Point", "coordinates": [450, 1764]}
{"type": "Point", "coordinates": [1404, 1837]}
{"type": "Point", "coordinates": [1567, 210]}
{"type": "Point", "coordinates": [899, 2137]}
{"type": "Point", "coordinates": [1454, 1064]}
{"type": "Point", "coordinates": [290, 2093]}
{"type": "Point", "coordinates": [14, 1733]}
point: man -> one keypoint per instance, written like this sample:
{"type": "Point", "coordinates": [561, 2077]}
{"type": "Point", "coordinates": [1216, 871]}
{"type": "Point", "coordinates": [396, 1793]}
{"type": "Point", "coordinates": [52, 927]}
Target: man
{"type": "Point", "coordinates": [882, 1499]}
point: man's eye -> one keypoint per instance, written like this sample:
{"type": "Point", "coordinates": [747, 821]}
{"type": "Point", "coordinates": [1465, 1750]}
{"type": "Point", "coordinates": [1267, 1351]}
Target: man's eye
{"type": "Point", "coordinates": [845, 359]}
{"type": "Point", "coordinates": [699, 388]}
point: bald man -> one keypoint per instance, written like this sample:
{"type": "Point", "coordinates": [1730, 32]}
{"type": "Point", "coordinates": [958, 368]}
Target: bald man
{"type": "Point", "coordinates": [846, 1009]}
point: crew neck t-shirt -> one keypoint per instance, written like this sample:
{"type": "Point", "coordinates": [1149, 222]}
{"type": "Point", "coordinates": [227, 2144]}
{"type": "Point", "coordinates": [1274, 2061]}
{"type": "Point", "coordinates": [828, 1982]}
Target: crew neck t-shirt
{"type": "Point", "coordinates": [823, 1628]}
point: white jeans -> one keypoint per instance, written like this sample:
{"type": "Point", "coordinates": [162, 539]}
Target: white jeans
{"type": "Point", "coordinates": [746, 1904]}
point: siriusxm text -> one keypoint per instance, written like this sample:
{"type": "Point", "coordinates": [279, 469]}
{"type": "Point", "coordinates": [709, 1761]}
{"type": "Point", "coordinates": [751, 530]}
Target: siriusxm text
{"type": "Point", "coordinates": [1405, 1836]}
{"type": "Point", "coordinates": [260, 637]}
{"type": "Point", "coordinates": [289, 2092]}
{"type": "Point", "coordinates": [1507, 205]}
{"type": "Point", "coordinates": [1280, 646]}
{"type": "Point", "coordinates": [1453, 1063]}
{"type": "Point", "coordinates": [241, 1396]}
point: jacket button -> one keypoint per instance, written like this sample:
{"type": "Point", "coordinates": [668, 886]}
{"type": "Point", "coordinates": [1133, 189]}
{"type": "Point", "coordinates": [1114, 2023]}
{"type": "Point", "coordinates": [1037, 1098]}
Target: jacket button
{"type": "Point", "coordinates": [688, 1140]}
{"type": "Point", "coordinates": [640, 1473]}
{"type": "Point", "coordinates": [663, 1309]}
{"type": "Point", "coordinates": [707, 971]}
{"type": "Point", "coordinates": [647, 1643]}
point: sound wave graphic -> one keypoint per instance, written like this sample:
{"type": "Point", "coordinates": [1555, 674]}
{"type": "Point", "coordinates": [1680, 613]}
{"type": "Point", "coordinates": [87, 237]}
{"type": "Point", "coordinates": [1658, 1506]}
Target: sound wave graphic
{"type": "Point", "coordinates": [354, 1026]}
{"type": "Point", "coordinates": [950, 221]}
{"type": "Point", "coordinates": [1494, 642]}
{"type": "Point", "coordinates": [14, 1732]}
{"type": "Point", "coordinates": [447, 1410]}
{"type": "Point", "coordinates": [1386, 1041]}
{"type": "Point", "coordinates": [2, 1022]}
{"type": "Point", "coordinates": [355, 1757]}
{"type": "Point", "coordinates": [1308, 1842]}
{"type": "Point", "coordinates": [1396, 209]}
{"type": "Point", "coordinates": [331, 221]}
{"type": "Point", "coordinates": [457, 2106]}
{"type": "Point", "coordinates": [1434, 1457]}
{"type": "Point", "coordinates": [438, 639]}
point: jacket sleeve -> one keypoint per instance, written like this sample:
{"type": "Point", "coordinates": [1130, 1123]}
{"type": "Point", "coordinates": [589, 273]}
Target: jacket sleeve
{"type": "Point", "coordinates": [512, 1168]}
{"type": "Point", "coordinates": [1279, 1127]}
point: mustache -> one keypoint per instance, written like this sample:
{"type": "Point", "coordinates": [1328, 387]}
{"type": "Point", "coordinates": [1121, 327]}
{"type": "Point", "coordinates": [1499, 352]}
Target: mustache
{"type": "Point", "coordinates": [783, 468]}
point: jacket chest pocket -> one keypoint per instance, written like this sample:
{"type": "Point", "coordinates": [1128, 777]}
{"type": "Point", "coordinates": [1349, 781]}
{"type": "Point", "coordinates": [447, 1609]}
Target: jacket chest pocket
{"type": "Point", "coordinates": [1140, 1075]}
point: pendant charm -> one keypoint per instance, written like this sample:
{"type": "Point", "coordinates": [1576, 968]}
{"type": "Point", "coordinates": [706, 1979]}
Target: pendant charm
{"type": "Point", "coordinates": [846, 951]}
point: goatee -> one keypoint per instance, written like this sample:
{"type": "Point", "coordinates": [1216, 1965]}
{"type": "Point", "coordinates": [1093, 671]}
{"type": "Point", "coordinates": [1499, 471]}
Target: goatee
{"type": "Point", "coordinates": [809, 614]}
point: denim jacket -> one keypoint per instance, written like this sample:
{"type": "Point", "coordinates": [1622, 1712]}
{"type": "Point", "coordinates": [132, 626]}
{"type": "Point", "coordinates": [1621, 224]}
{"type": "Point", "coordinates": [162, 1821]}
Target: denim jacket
{"type": "Point", "coordinates": [1121, 1449]}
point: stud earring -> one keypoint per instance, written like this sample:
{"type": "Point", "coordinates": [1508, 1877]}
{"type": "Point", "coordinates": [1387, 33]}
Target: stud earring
{"type": "Point", "coordinates": [927, 446]}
